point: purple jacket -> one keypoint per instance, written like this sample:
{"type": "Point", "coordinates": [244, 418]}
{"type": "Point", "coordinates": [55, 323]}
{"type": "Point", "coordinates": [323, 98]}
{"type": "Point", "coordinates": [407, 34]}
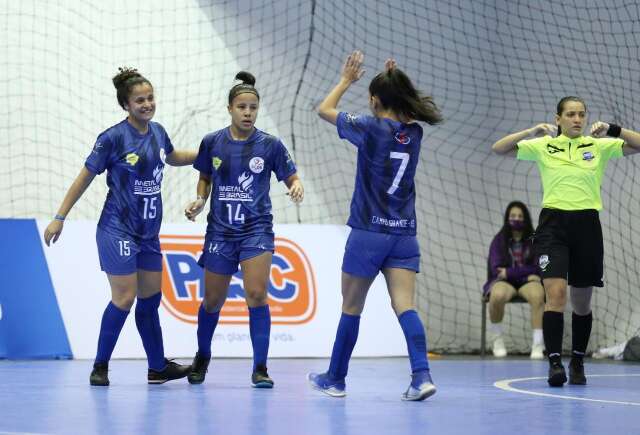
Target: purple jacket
{"type": "Point", "coordinates": [516, 275]}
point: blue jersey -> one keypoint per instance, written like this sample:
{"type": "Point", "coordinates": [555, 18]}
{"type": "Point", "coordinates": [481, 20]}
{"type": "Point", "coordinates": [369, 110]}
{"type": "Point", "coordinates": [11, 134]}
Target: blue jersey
{"type": "Point", "coordinates": [388, 152]}
{"type": "Point", "coordinates": [134, 163]}
{"type": "Point", "coordinates": [240, 173]}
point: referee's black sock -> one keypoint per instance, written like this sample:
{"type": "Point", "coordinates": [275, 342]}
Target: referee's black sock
{"type": "Point", "coordinates": [552, 329]}
{"type": "Point", "coordinates": [580, 333]}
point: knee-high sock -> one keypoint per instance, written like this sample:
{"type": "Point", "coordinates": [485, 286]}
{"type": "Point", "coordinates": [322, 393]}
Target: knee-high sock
{"type": "Point", "coordinates": [346, 338]}
{"type": "Point", "coordinates": [206, 326]}
{"type": "Point", "coordinates": [580, 333]}
{"type": "Point", "coordinates": [113, 320]}
{"type": "Point", "coordinates": [148, 323]}
{"type": "Point", "coordinates": [260, 330]}
{"type": "Point", "coordinates": [552, 329]}
{"type": "Point", "coordinates": [416, 340]}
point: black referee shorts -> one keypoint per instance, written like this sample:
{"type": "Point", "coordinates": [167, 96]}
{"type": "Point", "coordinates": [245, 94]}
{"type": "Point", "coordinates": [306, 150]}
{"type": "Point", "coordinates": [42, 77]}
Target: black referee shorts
{"type": "Point", "coordinates": [568, 244]}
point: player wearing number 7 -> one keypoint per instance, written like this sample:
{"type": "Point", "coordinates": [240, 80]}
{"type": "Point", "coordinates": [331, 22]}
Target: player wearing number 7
{"type": "Point", "coordinates": [133, 152]}
{"type": "Point", "coordinates": [383, 218]}
{"type": "Point", "coordinates": [237, 163]}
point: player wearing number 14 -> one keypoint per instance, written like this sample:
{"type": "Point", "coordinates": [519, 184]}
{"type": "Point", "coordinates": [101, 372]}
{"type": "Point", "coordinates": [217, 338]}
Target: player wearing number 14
{"type": "Point", "coordinates": [237, 163]}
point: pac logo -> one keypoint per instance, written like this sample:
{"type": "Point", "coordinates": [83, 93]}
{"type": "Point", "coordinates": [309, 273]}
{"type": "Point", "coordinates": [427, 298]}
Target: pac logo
{"type": "Point", "coordinates": [291, 288]}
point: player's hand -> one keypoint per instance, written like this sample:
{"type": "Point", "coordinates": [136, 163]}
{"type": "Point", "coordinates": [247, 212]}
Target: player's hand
{"type": "Point", "coordinates": [543, 130]}
{"type": "Point", "coordinates": [53, 231]}
{"type": "Point", "coordinates": [390, 64]}
{"type": "Point", "coordinates": [296, 192]}
{"type": "Point", "coordinates": [194, 208]}
{"type": "Point", "coordinates": [599, 129]}
{"type": "Point", "coordinates": [502, 273]}
{"type": "Point", "coordinates": [352, 68]}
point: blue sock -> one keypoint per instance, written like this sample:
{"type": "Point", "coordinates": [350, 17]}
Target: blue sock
{"type": "Point", "coordinates": [260, 330]}
{"type": "Point", "coordinates": [148, 323]}
{"type": "Point", "coordinates": [206, 326]}
{"type": "Point", "coordinates": [113, 320]}
{"type": "Point", "coordinates": [346, 338]}
{"type": "Point", "coordinates": [416, 340]}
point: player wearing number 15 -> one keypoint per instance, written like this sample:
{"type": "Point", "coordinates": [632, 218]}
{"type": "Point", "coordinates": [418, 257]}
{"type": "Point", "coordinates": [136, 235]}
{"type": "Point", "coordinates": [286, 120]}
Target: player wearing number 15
{"type": "Point", "coordinates": [133, 152]}
{"type": "Point", "coordinates": [237, 162]}
{"type": "Point", "coordinates": [383, 216]}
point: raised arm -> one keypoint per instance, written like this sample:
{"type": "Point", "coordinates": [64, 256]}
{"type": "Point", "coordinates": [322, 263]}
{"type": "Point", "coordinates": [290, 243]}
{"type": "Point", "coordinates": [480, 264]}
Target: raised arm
{"type": "Point", "coordinates": [631, 138]}
{"type": "Point", "coordinates": [507, 145]}
{"type": "Point", "coordinates": [202, 190]}
{"type": "Point", "coordinates": [77, 188]}
{"type": "Point", "coordinates": [182, 157]}
{"type": "Point", "coordinates": [351, 72]}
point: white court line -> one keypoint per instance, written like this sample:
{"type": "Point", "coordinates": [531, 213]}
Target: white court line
{"type": "Point", "coordinates": [505, 385]}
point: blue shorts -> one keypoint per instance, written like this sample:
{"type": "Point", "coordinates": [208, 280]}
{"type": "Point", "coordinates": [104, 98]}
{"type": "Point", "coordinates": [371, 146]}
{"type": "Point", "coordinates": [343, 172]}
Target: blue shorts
{"type": "Point", "coordinates": [121, 254]}
{"type": "Point", "coordinates": [223, 257]}
{"type": "Point", "coordinates": [368, 252]}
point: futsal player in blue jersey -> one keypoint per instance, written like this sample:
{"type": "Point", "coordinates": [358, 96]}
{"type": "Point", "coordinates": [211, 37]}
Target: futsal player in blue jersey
{"type": "Point", "coordinates": [235, 166]}
{"type": "Point", "coordinates": [134, 153]}
{"type": "Point", "coordinates": [382, 218]}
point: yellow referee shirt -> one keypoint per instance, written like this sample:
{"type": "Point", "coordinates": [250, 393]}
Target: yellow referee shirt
{"type": "Point", "coordinates": [571, 169]}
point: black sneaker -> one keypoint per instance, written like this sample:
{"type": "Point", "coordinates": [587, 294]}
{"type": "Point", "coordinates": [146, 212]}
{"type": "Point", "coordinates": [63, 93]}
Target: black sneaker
{"type": "Point", "coordinates": [199, 368]}
{"type": "Point", "coordinates": [100, 374]}
{"type": "Point", "coordinates": [171, 371]}
{"type": "Point", "coordinates": [557, 375]}
{"type": "Point", "coordinates": [260, 378]}
{"type": "Point", "coordinates": [576, 372]}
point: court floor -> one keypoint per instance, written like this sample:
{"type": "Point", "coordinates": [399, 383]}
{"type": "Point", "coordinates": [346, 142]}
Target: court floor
{"type": "Point", "coordinates": [475, 396]}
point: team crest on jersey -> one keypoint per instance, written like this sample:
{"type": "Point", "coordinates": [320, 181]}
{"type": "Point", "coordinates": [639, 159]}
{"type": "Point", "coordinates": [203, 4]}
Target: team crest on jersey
{"type": "Point", "coordinates": [543, 262]}
{"type": "Point", "coordinates": [132, 158]}
{"type": "Point", "coordinates": [245, 180]}
{"type": "Point", "coordinates": [587, 155]}
{"type": "Point", "coordinates": [352, 118]}
{"type": "Point", "coordinates": [256, 165]}
{"type": "Point", "coordinates": [402, 138]}
{"type": "Point", "coordinates": [163, 155]}
{"type": "Point", "coordinates": [216, 162]}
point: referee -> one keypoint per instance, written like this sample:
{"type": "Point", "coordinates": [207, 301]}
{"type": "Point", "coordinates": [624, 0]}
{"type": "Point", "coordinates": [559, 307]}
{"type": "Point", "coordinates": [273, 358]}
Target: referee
{"type": "Point", "coordinates": [568, 241]}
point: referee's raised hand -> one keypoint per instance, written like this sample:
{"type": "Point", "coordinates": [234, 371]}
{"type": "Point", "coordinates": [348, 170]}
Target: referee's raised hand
{"type": "Point", "coordinates": [543, 129]}
{"type": "Point", "coordinates": [599, 129]}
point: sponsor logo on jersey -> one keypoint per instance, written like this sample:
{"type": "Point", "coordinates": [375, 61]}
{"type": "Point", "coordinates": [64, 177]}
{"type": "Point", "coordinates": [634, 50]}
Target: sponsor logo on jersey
{"type": "Point", "coordinates": [352, 118]}
{"type": "Point", "coordinates": [245, 180]}
{"type": "Point", "coordinates": [291, 288]}
{"type": "Point", "coordinates": [256, 165]}
{"type": "Point", "coordinates": [587, 155]}
{"type": "Point", "coordinates": [157, 173]}
{"type": "Point", "coordinates": [402, 138]}
{"type": "Point", "coordinates": [97, 147]}
{"type": "Point", "coordinates": [216, 162]}
{"type": "Point", "coordinates": [132, 158]}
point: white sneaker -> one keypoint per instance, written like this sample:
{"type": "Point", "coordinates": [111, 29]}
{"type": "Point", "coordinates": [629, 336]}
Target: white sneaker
{"type": "Point", "coordinates": [499, 351]}
{"type": "Point", "coordinates": [537, 351]}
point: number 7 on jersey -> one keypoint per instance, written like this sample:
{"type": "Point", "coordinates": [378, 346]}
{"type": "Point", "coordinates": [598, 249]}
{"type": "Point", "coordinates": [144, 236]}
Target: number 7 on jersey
{"type": "Point", "coordinates": [403, 166]}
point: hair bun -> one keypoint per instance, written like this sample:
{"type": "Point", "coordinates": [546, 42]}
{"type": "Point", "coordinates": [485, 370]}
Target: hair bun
{"type": "Point", "coordinates": [124, 74]}
{"type": "Point", "coordinates": [246, 77]}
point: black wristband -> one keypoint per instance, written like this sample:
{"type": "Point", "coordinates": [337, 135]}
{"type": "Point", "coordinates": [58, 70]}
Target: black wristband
{"type": "Point", "coordinates": [614, 130]}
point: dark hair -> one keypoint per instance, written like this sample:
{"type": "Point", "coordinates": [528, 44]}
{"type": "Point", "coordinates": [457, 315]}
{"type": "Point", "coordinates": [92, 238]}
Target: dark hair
{"type": "Point", "coordinates": [124, 82]}
{"type": "Point", "coordinates": [506, 233]}
{"type": "Point", "coordinates": [562, 102]}
{"type": "Point", "coordinates": [396, 92]}
{"type": "Point", "coordinates": [247, 85]}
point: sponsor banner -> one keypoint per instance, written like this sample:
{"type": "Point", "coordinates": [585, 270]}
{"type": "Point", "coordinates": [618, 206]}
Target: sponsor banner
{"type": "Point", "coordinates": [303, 294]}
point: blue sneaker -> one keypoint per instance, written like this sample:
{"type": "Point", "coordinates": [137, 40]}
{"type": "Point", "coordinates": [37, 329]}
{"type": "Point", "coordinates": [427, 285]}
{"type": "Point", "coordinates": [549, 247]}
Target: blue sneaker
{"type": "Point", "coordinates": [323, 382]}
{"type": "Point", "coordinates": [421, 386]}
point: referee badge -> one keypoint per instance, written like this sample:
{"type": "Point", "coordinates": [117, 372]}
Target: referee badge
{"type": "Point", "coordinates": [587, 155]}
{"type": "Point", "coordinates": [543, 261]}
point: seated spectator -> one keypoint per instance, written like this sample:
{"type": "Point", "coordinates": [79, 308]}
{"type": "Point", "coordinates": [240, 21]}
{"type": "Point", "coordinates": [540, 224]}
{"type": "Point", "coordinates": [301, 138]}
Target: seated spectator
{"type": "Point", "coordinates": [512, 270]}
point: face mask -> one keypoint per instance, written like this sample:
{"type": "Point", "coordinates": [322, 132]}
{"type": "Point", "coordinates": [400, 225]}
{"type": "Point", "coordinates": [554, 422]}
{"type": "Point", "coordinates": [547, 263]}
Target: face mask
{"type": "Point", "coordinates": [516, 225]}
